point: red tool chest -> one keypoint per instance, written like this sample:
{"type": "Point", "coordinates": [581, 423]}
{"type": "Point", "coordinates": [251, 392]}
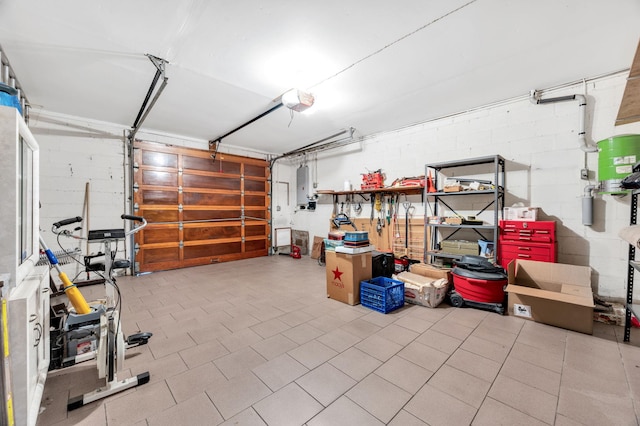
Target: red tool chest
{"type": "Point", "coordinates": [531, 240]}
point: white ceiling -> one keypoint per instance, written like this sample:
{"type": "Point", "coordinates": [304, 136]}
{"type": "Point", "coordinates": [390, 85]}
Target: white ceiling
{"type": "Point", "coordinates": [374, 65]}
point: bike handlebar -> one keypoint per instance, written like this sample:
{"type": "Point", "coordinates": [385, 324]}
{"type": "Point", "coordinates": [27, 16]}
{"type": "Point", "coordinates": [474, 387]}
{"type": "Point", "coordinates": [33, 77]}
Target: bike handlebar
{"type": "Point", "coordinates": [140, 219]}
{"type": "Point", "coordinates": [65, 222]}
{"type": "Point", "coordinates": [131, 217]}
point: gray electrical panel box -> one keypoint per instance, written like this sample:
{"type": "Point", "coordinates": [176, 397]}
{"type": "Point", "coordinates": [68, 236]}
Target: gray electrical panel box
{"type": "Point", "coordinates": [302, 185]}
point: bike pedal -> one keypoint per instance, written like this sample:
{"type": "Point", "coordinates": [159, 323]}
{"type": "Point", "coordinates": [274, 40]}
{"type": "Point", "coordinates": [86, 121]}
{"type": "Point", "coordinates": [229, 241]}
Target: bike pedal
{"type": "Point", "coordinates": [139, 338]}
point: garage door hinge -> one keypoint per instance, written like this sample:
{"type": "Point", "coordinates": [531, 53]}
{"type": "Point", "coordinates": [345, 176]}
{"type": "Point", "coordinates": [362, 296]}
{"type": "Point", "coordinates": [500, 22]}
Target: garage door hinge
{"type": "Point", "coordinates": [136, 166]}
{"type": "Point", "coordinates": [179, 190]}
{"type": "Point", "coordinates": [179, 171]}
{"type": "Point", "coordinates": [181, 245]}
{"type": "Point", "coordinates": [136, 187]}
{"type": "Point", "coordinates": [136, 247]}
{"type": "Point", "coordinates": [136, 266]}
{"type": "Point", "coordinates": [180, 226]}
{"type": "Point", "coordinates": [241, 192]}
{"type": "Point", "coordinates": [180, 207]}
{"type": "Point", "coordinates": [136, 206]}
{"type": "Point", "coordinates": [242, 238]}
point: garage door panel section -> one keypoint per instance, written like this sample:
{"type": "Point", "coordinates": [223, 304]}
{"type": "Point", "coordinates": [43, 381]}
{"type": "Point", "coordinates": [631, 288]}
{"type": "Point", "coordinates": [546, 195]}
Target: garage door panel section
{"type": "Point", "coordinates": [255, 213]}
{"type": "Point", "coordinates": [211, 215]}
{"type": "Point", "coordinates": [255, 171]}
{"type": "Point", "coordinates": [159, 178]}
{"type": "Point", "coordinates": [202, 233]}
{"type": "Point", "coordinates": [211, 199]}
{"type": "Point", "coordinates": [257, 230]}
{"type": "Point", "coordinates": [159, 215]}
{"type": "Point", "coordinates": [211, 182]}
{"type": "Point", "coordinates": [159, 197]}
{"type": "Point", "coordinates": [205, 164]}
{"type": "Point", "coordinates": [160, 234]}
{"type": "Point", "coordinates": [199, 211]}
{"type": "Point", "coordinates": [256, 245]}
{"type": "Point", "coordinates": [160, 159]}
{"type": "Point", "coordinates": [255, 185]}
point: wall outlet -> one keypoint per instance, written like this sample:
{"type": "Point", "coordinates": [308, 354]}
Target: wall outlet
{"type": "Point", "coordinates": [584, 174]}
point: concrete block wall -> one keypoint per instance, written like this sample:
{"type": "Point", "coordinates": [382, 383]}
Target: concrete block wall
{"type": "Point", "coordinates": [543, 162]}
{"type": "Point", "coordinates": [75, 152]}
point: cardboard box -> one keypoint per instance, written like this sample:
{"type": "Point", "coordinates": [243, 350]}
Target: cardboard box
{"type": "Point", "coordinates": [526, 214]}
{"type": "Point", "coordinates": [453, 220]}
{"type": "Point", "coordinates": [551, 293]}
{"type": "Point", "coordinates": [431, 271]}
{"type": "Point", "coordinates": [316, 249]}
{"type": "Point", "coordinates": [421, 290]}
{"type": "Point", "coordinates": [460, 247]}
{"type": "Point", "coordinates": [344, 273]}
{"type": "Point", "coordinates": [452, 188]}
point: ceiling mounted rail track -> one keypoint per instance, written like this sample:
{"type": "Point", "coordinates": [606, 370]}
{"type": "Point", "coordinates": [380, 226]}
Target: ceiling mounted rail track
{"type": "Point", "coordinates": [146, 105]}
{"type": "Point", "coordinates": [215, 143]}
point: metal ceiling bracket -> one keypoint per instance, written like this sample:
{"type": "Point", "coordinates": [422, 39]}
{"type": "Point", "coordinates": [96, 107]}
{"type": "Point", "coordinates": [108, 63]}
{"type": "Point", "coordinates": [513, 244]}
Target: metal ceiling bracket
{"type": "Point", "coordinates": [146, 107]}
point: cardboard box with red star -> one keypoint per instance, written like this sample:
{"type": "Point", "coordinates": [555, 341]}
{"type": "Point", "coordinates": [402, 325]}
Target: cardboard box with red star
{"type": "Point", "coordinates": [344, 273]}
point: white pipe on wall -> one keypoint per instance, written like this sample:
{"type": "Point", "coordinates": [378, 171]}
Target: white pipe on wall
{"type": "Point", "coordinates": [534, 97]}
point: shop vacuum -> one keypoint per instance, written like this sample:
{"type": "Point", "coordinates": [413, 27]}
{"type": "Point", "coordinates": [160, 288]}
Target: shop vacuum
{"type": "Point", "coordinates": [478, 283]}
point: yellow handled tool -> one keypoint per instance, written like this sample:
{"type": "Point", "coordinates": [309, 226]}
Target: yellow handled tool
{"type": "Point", "coordinates": [75, 297]}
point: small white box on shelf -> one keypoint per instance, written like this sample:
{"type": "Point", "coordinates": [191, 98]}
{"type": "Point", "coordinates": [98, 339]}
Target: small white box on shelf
{"type": "Point", "coordinates": [521, 213]}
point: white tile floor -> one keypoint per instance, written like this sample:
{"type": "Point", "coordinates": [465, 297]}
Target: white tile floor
{"type": "Point", "coordinates": [257, 342]}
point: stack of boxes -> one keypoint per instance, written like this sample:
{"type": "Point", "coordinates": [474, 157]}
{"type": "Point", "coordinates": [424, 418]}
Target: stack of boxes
{"type": "Point", "coordinates": [347, 266]}
{"type": "Point", "coordinates": [538, 288]}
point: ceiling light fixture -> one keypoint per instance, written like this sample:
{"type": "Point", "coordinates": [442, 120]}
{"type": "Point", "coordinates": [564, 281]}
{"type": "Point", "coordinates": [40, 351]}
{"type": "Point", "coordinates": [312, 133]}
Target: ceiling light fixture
{"type": "Point", "coordinates": [297, 100]}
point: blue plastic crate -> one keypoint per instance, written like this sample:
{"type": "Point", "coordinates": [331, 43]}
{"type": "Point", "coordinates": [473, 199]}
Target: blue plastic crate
{"type": "Point", "coordinates": [382, 294]}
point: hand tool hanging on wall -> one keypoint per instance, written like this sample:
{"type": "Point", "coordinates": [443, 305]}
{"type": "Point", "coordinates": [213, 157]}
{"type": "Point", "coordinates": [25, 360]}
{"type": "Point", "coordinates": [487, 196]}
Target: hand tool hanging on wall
{"type": "Point", "coordinates": [378, 209]}
{"type": "Point", "coordinates": [373, 207]}
{"type": "Point", "coordinates": [407, 206]}
{"type": "Point", "coordinates": [389, 207]}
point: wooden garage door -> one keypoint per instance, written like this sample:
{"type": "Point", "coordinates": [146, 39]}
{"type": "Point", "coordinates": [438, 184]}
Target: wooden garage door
{"type": "Point", "coordinates": [199, 211]}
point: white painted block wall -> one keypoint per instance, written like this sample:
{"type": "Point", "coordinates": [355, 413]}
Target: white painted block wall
{"type": "Point", "coordinates": [539, 143]}
{"type": "Point", "coordinates": [543, 162]}
{"type": "Point", "coordinates": [75, 152]}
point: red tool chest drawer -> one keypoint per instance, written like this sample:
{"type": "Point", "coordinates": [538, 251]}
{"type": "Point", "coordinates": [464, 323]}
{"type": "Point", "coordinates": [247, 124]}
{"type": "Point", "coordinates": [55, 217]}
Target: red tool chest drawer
{"type": "Point", "coordinates": [535, 232]}
{"type": "Point", "coordinates": [530, 251]}
{"type": "Point", "coordinates": [531, 240]}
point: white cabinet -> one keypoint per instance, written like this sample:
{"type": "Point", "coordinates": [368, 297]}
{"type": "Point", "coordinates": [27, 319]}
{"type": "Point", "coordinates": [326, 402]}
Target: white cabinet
{"type": "Point", "coordinates": [28, 310]}
{"type": "Point", "coordinates": [28, 285]}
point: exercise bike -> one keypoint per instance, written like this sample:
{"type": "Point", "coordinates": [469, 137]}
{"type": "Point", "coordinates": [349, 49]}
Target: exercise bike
{"type": "Point", "coordinates": [94, 331]}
